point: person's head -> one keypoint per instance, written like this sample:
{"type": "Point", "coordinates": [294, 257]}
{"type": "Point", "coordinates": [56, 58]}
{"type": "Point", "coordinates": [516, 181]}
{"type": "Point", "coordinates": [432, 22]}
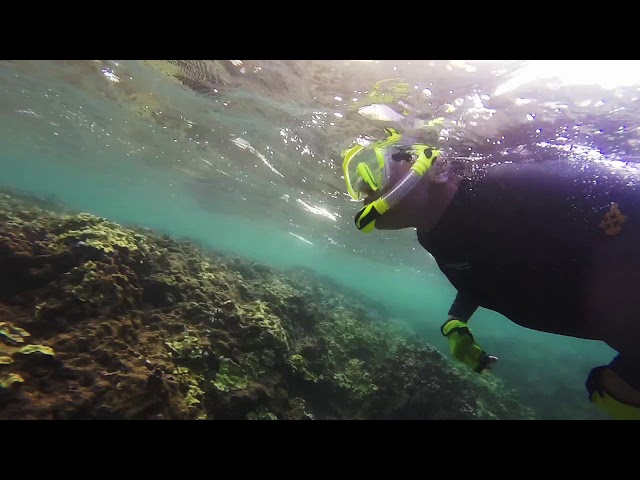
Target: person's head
{"type": "Point", "coordinates": [397, 166]}
{"type": "Point", "coordinates": [388, 178]}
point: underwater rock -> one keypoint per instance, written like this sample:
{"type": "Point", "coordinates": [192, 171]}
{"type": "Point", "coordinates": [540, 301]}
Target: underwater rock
{"type": "Point", "coordinates": [12, 334]}
{"type": "Point", "coordinates": [9, 379]}
{"type": "Point", "coordinates": [100, 321]}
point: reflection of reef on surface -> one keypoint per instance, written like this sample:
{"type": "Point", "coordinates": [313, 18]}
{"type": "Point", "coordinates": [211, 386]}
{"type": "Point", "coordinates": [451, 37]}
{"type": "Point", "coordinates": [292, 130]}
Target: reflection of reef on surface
{"type": "Point", "coordinates": [98, 321]}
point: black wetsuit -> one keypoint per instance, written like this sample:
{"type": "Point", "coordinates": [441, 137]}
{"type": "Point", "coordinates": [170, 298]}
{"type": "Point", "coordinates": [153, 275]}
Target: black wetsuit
{"type": "Point", "coordinates": [541, 244]}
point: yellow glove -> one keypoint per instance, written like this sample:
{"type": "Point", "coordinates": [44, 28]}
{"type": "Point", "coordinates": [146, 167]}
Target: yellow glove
{"type": "Point", "coordinates": [464, 348]}
{"type": "Point", "coordinates": [613, 395]}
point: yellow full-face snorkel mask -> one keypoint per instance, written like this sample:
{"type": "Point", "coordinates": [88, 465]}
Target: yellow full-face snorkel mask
{"type": "Point", "coordinates": [369, 175]}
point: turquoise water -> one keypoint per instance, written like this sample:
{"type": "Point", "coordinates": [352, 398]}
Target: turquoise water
{"type": "Point", "coordinates": [417, 301]}
{"type": "Point", "coordinates": [153, 191]}
{"type": "Point", "coordinates": [146, 203]}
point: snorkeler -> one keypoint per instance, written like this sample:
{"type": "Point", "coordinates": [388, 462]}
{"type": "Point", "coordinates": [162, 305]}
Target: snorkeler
{"type": "Point", "coordinates": [552, 246]}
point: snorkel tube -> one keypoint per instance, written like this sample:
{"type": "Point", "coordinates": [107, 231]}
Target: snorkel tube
{"type": "Point", "coordinates": [366, 218]}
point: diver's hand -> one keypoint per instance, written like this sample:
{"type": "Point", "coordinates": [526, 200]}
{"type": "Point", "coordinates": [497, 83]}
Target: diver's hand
{"type": "Point", "coordinates": [464, 348]}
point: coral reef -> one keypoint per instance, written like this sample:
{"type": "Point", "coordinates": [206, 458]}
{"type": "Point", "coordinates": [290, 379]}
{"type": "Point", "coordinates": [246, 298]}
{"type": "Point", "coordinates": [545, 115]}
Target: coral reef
{"type": "Point", "coordinates": [99, 321]}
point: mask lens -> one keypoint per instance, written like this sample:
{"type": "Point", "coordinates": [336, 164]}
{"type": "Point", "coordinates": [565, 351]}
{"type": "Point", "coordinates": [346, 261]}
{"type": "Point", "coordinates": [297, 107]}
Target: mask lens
{"type": "Point", "coordinates": [363, 173]}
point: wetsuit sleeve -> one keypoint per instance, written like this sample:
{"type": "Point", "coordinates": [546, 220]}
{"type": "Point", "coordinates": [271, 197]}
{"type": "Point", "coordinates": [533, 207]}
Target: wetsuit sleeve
{"type": "Point", "coordinates": [463, 307]}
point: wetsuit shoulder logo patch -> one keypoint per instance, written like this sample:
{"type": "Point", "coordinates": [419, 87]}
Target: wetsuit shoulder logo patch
{"type": "Point", "coordinates": [613, 220]}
